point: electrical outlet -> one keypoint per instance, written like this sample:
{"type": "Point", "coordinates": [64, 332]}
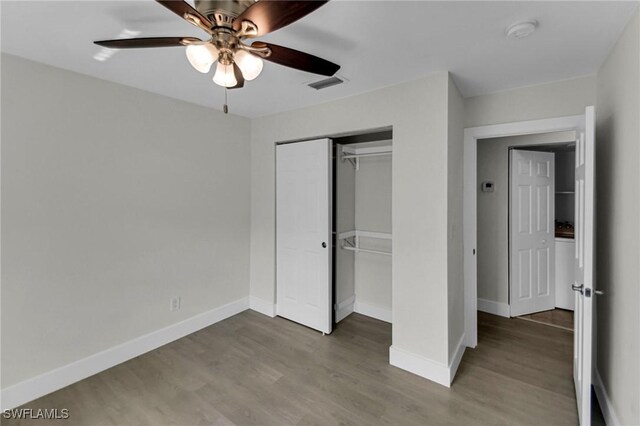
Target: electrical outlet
{"type": "Point", "coordinates": [174, 304]}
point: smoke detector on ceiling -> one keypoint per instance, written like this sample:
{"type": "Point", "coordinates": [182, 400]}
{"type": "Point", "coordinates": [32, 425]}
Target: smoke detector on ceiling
{"type": "Point", "coordinates": [521, 29]}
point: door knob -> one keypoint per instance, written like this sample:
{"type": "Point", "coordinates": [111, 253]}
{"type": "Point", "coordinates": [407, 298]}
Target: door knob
{"type": "Point", "coordinates": [324, 245]}
{"type": "Point", "coordinates": [578, 288]}
{"type": "Point", "coordinates": [598, 292]}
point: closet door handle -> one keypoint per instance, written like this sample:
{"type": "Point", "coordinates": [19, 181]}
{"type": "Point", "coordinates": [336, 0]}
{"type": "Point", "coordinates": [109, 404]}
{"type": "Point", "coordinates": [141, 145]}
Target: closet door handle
{"type": "Point", "coordinates": [324, 245]}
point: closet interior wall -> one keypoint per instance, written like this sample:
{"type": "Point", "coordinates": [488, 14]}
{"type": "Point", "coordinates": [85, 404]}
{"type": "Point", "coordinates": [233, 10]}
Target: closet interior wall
{"type": "Point", "coordinates": [363, 203]}
{"type": "Point", "coordinates": [344, 221]}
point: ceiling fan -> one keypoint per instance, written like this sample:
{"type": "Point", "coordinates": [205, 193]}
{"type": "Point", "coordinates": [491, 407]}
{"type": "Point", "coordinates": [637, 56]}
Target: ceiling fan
{"type": "Point", "coordinates": [230, 23]}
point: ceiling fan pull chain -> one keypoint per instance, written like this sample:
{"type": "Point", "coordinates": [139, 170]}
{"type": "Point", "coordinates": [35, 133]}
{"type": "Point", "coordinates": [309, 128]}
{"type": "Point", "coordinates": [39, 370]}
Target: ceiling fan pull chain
{"type": "Point", "coordinates": [225, 108]}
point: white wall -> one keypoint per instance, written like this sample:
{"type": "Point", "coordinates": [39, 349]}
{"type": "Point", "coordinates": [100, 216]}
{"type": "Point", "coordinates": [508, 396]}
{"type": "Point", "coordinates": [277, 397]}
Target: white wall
{"type": "Point", "coordinates": [493, 210]}
{"type": "Point", "coordinates": [114, 200]}
{"type": "Point", "coordinates": [418, 113]}
{"type": "Point", "coordinates": [558, 99]}
{"type": "Point", "coordinates": [455, 271]}
{"type": "Point", "coordinates": [618, 224]}
{"type": "Point", "coordinates": [373, 272]}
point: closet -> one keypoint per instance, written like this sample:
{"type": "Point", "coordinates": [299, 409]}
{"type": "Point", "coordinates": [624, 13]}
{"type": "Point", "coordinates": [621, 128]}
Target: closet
{"type": "Point", "coordinates": [363, 234]}
{"type": "Point", "coordinates": [333, 229]}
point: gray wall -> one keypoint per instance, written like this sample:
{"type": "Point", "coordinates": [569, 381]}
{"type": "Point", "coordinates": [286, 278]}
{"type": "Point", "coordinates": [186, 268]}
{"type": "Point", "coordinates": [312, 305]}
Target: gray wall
{"type": "Point", "coordinates": [618, 224]}
{"type": "Point", "coordinates": [455, 235]}
{"type": "Point", "coordinates": [114, 200]}
{"type": "Point", "coordinates": [345, 221]}
{"type": "Point", "coordinates": [493, 210]}
{"type": "Point", "coordinates": [419, 200]}
{"type": "Point", "coordinates": [562, 98]}
{"type": "Point", "coordinates": [373, 213]}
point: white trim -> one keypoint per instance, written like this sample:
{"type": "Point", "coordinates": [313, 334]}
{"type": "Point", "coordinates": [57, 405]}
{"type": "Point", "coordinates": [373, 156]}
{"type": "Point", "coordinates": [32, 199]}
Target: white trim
{"type": "Point", "coordinates": [610, 417]}
{"type": "Point", "coordinates": [420, 365]}
{"type": "Point", "coordinates": [495, 308]}
{"type": "Point", "coordinates": [345, 308]}
{"type": "Point", "coordinates": [53, 380]}
{"type": "Point", "coordinates": [372, 311]}
{"type": "Point", "coordinates": [262, 306]}
{"type": "Point", "coordinates": [471, 136]}
{"type": "Point", "coordinates": [457, 358]}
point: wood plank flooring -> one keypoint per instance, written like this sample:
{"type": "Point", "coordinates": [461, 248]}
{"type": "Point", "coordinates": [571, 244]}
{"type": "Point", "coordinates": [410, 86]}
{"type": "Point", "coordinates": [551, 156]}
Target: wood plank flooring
{"type": "Point", "coordinates": [555, 317]}
{"type": "Point", "coordinates": [255, 370]}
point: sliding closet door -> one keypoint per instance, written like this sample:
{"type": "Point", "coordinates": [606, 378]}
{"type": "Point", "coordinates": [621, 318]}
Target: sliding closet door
{"type": "Point", "coordinates": [303, 232]}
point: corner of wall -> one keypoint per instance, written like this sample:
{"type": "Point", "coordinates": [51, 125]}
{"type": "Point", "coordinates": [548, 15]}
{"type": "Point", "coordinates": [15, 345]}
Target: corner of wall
{"type": "Point", "coordinates": [455, 243]}
{"type": "Point", "coordinates": [606, 406]}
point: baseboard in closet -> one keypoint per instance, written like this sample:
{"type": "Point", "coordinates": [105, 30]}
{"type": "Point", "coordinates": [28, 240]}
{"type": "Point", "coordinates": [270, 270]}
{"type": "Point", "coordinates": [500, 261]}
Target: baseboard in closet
{"type": "Point", "coordinates": [345, 308]}
{"type": "Point", "coordinates": [372, 311]}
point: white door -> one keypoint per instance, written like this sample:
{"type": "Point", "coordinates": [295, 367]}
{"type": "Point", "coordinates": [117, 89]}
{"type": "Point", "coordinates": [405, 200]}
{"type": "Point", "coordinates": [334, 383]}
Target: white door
{"type": "Point", "coordinates": [584, 262]}
{"type": "Point", "coordinates": [303, 233]}
{"type": "Point", "coordinates": [532, 223]}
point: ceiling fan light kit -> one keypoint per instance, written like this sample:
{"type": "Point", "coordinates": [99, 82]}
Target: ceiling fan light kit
{"type": "Point", "coordinates": [229, 23]}
{"type": "Point", "coordinates": [225, 76]}
{"type": "Point", "coordinates": [250, 65]}
{"type": "Point", "coordinates": [202, 56]}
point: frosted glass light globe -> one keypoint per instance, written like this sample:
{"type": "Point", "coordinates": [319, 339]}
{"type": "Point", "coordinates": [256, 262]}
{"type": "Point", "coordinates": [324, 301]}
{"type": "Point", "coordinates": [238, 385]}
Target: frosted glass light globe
{"type": "Point", "coordinates": [225, 76]}
{"type": "Point", "coordinates": [249, 64]}
{"type": "Point", "coordinates": [202, 56]}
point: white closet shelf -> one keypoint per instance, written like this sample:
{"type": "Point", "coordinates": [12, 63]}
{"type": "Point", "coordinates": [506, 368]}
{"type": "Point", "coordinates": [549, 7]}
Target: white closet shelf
{"type": "Point", "coordinates": [354, 154]}
{"type": "Point", "coordinates": [356, 235]}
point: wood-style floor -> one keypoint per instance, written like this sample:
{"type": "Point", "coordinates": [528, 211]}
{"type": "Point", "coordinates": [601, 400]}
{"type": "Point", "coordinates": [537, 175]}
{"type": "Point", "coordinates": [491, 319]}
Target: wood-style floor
{"type": "Point", "coordinates": [255, 370]}
{"type": "Point", "coordinates": [555, 317]}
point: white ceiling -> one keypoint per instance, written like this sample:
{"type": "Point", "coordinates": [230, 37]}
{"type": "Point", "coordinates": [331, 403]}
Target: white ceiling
{"type": "Point", "coordinates": [378, 44]}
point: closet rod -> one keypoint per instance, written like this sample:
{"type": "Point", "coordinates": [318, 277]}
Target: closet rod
{"type": "Point", "coordinates": [356, 249]}
{"type": "Point", "coordinates": [371, 154]}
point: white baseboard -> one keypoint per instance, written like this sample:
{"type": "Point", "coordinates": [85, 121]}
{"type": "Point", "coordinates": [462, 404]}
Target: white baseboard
{"type": "Point", "coordinates": [495, 308]}
{"type": "Point", "coordinates": [345, 308]}
{"type": "Point", "coordinates": [457, 357]}
{"type": "Point", "coordinates": [420, 365]}
{"type": "Point", "coordinates": [262, 306]}
{"type": "Point", "coordinates": [46, 383]}
{"type": "Point", "coordinates": [372, 311]}
{"type": "Point", "coordinates": [610, 417]}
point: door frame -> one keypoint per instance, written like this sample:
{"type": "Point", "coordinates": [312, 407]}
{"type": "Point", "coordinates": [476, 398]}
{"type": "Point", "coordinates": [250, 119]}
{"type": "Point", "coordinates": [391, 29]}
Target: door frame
{"type": "Point", "coordinates": [470, 219]}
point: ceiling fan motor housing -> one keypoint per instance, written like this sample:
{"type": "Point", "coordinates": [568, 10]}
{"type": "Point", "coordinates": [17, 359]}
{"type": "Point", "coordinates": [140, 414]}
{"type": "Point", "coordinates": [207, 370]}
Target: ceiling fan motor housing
{"type": "Point", "coordinates": [222, 12]}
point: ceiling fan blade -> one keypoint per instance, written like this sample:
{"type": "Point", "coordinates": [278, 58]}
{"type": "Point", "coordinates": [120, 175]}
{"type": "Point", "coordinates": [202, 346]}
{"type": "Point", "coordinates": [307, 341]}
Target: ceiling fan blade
{"type": "Point", "coordinates": [271, 15]}
{"type": "Point", "coordinates": [133, 43]}
{"type": "Point", "coordinates": [298, 60]}
{"type": "Point", "coordinates": [185, 11]}
{"type": "Point", "coordinates": [239, 77]}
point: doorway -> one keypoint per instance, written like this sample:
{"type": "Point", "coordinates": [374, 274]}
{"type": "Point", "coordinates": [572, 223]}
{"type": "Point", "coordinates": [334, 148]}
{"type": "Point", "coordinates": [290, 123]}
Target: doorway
{"type": "Point", "coordinates": [525, 207]}
{"type": "Point", "coordinates": [584, 288]}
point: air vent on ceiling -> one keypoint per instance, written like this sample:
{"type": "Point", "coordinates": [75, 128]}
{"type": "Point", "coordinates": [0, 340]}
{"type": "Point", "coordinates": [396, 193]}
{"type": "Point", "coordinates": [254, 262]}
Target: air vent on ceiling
{"type": "Point", "coordinates": [327, 82]}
